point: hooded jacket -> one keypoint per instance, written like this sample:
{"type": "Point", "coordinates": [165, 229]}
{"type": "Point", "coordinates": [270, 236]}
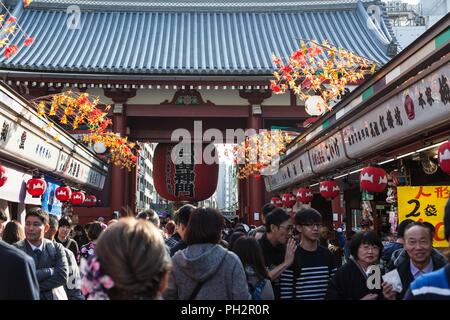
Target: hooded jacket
{"type": "Point", "coordinates": [222, 269]}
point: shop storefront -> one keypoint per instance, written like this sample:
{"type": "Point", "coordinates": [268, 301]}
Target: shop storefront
{"type": "Point", "coordinates": [395, 121]}
{"type": "Point", "coordinates": [26, 150]}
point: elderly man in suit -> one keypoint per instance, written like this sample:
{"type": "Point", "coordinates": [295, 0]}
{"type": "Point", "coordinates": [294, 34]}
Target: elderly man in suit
{"type": "Point", "coordinates": [17, 275]}
{"type": "Point", "coordinates": [50, 257]}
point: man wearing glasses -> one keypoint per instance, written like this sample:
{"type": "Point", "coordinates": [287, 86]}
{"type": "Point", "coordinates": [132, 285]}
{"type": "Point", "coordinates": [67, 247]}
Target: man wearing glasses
{"type": "Point", "coordinates": [313, 265]}
{"type": "Point", "coordinates": [278, 249]}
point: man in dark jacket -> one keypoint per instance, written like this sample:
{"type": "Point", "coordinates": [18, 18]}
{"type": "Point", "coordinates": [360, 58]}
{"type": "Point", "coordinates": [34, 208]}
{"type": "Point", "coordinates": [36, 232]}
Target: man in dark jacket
{"type": "Point", "coordinates": [417, 258]}
{"type": "Point", "coordinates": [434, 285]}
{"type": "Point", "coordinates": [50, 258]}
{"type": "Point", "coordinates": [18, 279]}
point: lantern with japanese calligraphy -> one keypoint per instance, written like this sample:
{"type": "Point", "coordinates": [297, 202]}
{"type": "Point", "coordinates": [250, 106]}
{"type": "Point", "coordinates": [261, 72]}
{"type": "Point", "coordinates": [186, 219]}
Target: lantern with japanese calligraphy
{"type": "Point", "coordinates": [36, 186]}
{"type": "Point", "coordinates": [63, 193]}
{"type": "Point", "coordinates": [288, 200]}
{"type": "Point", "coordinates": [444, 157]}
{"type": "Point", "coordinates": [373, 179]}
{"type": "Point", "coordinates": [329, 189]}
{"type": "Point", "coordinates": [78, 198]}
{"type": "Point", "coordinates": [276, 201]}
{"type": "Point", "coordinates": [183, 172]}
{"type": "Point", "coordinates": [304, 195]}
{"type": "Point", "coordinates": [3, 176]}
{"type": "Point", "coordinates": [90, 201]}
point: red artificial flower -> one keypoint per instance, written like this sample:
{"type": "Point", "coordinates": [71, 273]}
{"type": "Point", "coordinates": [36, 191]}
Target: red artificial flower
{"type": "Point", "coordinates": [287, 69]}
{"type": "Point", "coordinates": [9, 51]}
{"type": "Point", "coordinates": [28, 41]}
{"type": "Point", "coordinates": [297, 55]}
{"type": "Point", "coordinates": [11, 20]}
{"type": "Point", "coordinates": [276, 61]}
{"type": "Point", "coordinates": [26, 3]}
{"type": "Point", "coordinates": [318, 50]}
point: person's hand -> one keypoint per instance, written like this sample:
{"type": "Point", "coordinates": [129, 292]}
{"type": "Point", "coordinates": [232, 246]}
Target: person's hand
{"type": "Point", "coordinates": [388, 291]}
{"type": "Point", "coordinates": [290, 252]}
{"type": "Point", "coordinates": [370, 296]}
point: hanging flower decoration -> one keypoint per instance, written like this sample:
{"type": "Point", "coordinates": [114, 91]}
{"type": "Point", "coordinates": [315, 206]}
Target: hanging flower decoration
{"type": "Point", "coordinates": [314, 65]}
{"type": "Point", "coordinates": [9, 27]}
{"type": "Point", "coordinates": [73, 109]}
{"type": "Point", "coordinates": [257, 152]}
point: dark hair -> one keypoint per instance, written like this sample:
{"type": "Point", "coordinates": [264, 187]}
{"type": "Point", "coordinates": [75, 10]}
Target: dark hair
{"type": "Point", "coordinates": [3, 215]}
{"type": "Point", "coordinates": [149, 215]}
{"type": "Point", "coordinates": [80, 228]}
{"type": "Point", "coordinates": [115, 215]}
{"type": "Point", "coordinates": [364, 237]}
{"type": "Point", "coordinates": [401, 227]}
{"type": "Point", "coordinates": [205, 226]}
{"type": "Point", "coordinates": [53, 221]}
{"type": "Point", "coordinates": [429, 226]}
{"type": "Point", "coordinates": [13, 232]}
{"type": "Point", "coordinates": [170, 227]}
{"type": "Point", "coordinates": [276, 217]}
{"type": "Point", "coordinates": [447, 220]}
{"type": "Point", "coordinates": [250, 253]}
{"type": "Point", "coordinates": [38, 213]}
{"type": "Point", "coordinates": [420, 224]}
{"type": "Point", "coordinates": [267, 208]}
{"type": "Point", "coordinates": [234, 236]}
{"type": "Point", "coordinates": [183, 214]}
{"type": "Point", "coordinates": [65, 221]}
{"type": "Point", "coordinates": [307, 215]}
{"type": "Point", "coordinates": [94, 231]}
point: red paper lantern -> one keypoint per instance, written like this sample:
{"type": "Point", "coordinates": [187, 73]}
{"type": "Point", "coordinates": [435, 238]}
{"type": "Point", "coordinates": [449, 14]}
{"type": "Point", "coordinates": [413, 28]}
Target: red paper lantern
{"type": "Point", "coordinates": [373, 179]}
{"type": "Point", "coordinates": [305, 195]}
{"type": "Point", "coordinates": [276, 201]}
{"type": "Point", "coordinates": [3, 176]}
{"type": "Point", "coordinates": [63, 193]}
{"type": "Point", "coordinates": [185, 181]}
{"type": "Point", "coordinates": [90, 201]}
{"type": "Point", "coordinates": [288, 200]}
{"type": "Point", "coordinates": [78, 198]}
{"type": "Point", "coordinates": [329, 189]}
{"type": "Point", "coordinates": [444, 157]}
{"type": "Point", "coordinates": [36, 186]}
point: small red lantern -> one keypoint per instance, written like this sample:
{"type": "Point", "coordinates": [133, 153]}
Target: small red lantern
{"type": "Point", "coordinates": [3, 176]}
{"type": "Point", "coordinates": [78, 198]}
{"type": "Point", "coordinates": [329, 189]}
{"type": "Point", "coordinates": [304, 195]}
{"type": "Point", "coordinates": [373, 179]}
{"type": "Point", "coordinates": [276, 201]}
{"type": "Point", "coordinates": [288, 200]}
{"type": "Point", "coordinates": [444, 157]}
{"type": "Point", "coordinates": [63, 193]}
{"type": "Point", "coordinates": [90, 201]}
{"type": "Point", "coordinates": [36, 186]}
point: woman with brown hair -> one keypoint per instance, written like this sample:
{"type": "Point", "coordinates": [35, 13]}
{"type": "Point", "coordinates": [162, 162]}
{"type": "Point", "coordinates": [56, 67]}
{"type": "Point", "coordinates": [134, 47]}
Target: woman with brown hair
{"type": "Point", "coordinates": [131, 262]}
{"type": "Point", "coordinates": [13, 232]}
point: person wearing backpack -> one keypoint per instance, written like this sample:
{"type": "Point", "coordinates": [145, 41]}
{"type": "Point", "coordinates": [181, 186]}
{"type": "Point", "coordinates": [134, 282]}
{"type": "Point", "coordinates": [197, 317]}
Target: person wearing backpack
{"type": "Point", "coordinates": [258, 281]}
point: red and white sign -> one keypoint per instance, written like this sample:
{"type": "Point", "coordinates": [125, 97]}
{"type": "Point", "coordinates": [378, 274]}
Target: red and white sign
{"type": "Point", "coordinates": [329, 189]}
{"type": "Point", "coordinates": [373, 179]}
{"type": "Point", "coordinates": [63, 193]}
{"type": "Point", "coordinates": [444, 157]}
{"type": "Point", "coordinates": [288, 200]}
{"type": "Point", "coordinates": [36, 186]}
{"type": "Point", "coordinates": [3, 176]}
{"type": "Point", "coordinates": [305, 195]}
{"type": "Point", "coordinates": [78, 198]}
{"type": "Point", "coordinates": [276, 201]}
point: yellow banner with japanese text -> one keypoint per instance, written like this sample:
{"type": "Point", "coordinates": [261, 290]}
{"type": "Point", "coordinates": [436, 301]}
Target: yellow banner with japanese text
{"type": "Point", "coordinates": [425, 203]}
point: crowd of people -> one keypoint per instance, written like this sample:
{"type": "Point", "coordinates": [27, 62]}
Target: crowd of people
{"type": "Point", "coordinates": [197, 256]}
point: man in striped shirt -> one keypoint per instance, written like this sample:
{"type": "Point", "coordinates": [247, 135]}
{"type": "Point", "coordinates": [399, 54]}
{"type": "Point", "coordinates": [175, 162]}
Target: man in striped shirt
{"type": "Point", "coordinates": [313, 265]}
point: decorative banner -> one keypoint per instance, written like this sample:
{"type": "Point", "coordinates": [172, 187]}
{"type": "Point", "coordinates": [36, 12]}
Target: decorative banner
{"type": "Point", "coordinates": [50, 203]}
{"type": "Point", "coordinates": [186, 181]}
{"type": "Point", "coordinates": [425, 204]}
{"type": "Point", "coordinates": [328, 154]}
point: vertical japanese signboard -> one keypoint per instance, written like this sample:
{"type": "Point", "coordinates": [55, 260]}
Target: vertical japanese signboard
{"type": "Point", "coordinates": [425, 204]}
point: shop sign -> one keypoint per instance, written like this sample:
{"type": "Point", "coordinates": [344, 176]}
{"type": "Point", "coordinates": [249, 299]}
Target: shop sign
{"type": "Point", "coordinates": [423, 105]}
{"type": "Point", "coordinates": [425, 203]}
{"type": "Point", "coordinates": [75, 170]}
{"type": "Point", "coordinates": [18, 141]}
{"type": "Point", "coordinates": [295, 171]}
{"type": "Point", "coordinates": [49, 201]}
{"type": "Point", "coordinates": [328, 154]}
